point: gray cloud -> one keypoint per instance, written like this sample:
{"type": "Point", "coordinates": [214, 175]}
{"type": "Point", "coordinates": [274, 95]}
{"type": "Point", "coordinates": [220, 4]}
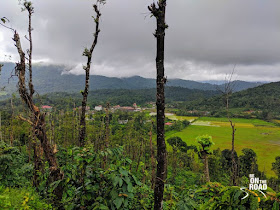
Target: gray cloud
{"type": "Point", "coordinates": [204, 41]}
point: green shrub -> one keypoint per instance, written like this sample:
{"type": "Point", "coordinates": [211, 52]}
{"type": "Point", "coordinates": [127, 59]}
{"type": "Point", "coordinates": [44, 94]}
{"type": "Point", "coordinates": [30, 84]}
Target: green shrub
{"type": "Point", "coordinates": [19, 198]}
{"type": "Point", "coordinates": [15, 171]}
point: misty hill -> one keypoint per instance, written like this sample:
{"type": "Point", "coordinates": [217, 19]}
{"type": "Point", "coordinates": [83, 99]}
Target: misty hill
{"type": "Point", "coordinates": [265, 97]}
{"type": "Point", "coordinates": [54, 79]}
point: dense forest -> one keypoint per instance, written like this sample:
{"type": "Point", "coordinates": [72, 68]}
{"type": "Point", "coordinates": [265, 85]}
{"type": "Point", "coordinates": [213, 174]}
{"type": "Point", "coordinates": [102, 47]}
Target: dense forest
{"type": "Point", "coordinates": [120, 148]}
{"type": "Point", "coordinates": [261, 102]}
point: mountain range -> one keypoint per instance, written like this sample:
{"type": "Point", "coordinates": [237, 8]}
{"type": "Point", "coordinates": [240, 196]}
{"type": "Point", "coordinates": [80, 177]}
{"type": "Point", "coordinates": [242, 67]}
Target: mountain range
{"type": "Point", "coordinates": [54, 78]}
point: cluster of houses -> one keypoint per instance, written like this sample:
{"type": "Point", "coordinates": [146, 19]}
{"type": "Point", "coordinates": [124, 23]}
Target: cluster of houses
{"type": "Point", "coordinates": [133, 108]}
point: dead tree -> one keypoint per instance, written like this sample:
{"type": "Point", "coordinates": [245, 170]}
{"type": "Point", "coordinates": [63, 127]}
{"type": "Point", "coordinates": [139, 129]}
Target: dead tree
{"type": "Point", "coordinates": [37, 157]}
{"type": "Point", "coordinates": [158, 11]}
{"type": "Point", "coordinates": [37, 118]}
{"type": "Point", "coordinates": [226, 92]}
{"type": "Point", "coordinates": [88, 54]}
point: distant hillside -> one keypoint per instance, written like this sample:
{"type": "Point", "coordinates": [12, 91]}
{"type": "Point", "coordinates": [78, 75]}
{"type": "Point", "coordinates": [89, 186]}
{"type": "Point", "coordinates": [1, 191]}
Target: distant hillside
{"type": "Point", "coordinates": [49, 79]}
{"type": "Point", "coordinates": [121, 97]}
{"type": "Point", "coordinates": [265, 97]}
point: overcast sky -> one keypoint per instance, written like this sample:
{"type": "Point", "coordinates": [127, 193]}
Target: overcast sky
{"type": "Point", "coordinates": [205, 39]}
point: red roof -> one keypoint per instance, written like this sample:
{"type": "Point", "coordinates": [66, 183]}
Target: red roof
{"type": "Point", "coordinates": [127, 108]}
{"type": "Point", "coordinates": [46, 107]}
{"type": "Point", "coordinates": [168, 123]}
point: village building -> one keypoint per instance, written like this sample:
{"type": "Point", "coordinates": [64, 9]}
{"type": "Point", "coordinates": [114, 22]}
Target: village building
{"type": "Point", "coordinates": [46, 108]}
{"type": "Point", "coordinates": [127, 108]}
{"type": "Point", "coordinates": [98, 108]}
{"type": "Point", "coordinates": [122, 122]}
{"type": "Point", "coordinates": [168, 123]}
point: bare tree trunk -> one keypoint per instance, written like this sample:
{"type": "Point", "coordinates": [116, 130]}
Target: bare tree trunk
{"type": "Point", "coordinates": [159, 13]}
{"type": "Point", "coordinates": [139, 154]}
{"type": "Point", "coordinates": [88, 54]}
{"type": "Point", "coordinates": [153, 162]}
{"type": "Point", "coordinates": [233, 161]}
{"type": "Point", "coordinates": [37, 119]}
{"type": "Point", "coordinates": [31, 87]}
{"type": "Point", "coordinates": [228, 89]}
{"type": "Point", "coordinates": [12, 124]}
{"type": "Point", "coordinates": [232, 125]}
{"type": "Point", "coordinates": [206, 168]}
{"type": "Point", "coordinates": [37, 163]}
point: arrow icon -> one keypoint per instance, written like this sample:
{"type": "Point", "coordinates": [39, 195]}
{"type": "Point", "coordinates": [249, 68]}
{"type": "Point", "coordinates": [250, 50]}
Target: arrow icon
{"type": "Point", "coordinates": [247, 194]}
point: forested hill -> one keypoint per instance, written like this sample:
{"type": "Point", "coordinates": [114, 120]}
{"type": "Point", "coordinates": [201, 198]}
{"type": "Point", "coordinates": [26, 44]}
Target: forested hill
{"type": "Point", "coordinates": [50, 78]}
{"type": "Point", "coordinates": [264, 97]}
{"type": "Point", "coordinates": [122, 97]}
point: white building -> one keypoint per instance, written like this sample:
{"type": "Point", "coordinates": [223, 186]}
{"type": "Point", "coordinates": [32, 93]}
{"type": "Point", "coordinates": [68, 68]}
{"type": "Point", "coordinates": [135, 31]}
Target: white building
{"type": "Point", "coordinates": [98, 108]}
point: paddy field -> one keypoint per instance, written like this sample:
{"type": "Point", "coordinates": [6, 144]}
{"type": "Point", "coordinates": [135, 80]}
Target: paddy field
{"type": "Point", "coordinates": [261, 136]}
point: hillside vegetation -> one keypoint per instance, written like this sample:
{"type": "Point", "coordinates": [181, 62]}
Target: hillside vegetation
{"type": "Point", "coordinates": [264, 98]}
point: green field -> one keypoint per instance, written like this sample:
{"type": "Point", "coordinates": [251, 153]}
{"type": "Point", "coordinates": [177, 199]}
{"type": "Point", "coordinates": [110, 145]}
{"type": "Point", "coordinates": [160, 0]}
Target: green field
{"type": "Point", "coordinates": [174, 117]}
{"type": "Point", "coordinates": [263, 137]}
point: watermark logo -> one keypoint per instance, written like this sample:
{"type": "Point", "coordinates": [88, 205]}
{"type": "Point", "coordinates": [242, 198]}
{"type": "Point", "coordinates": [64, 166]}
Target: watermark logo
{"type": "Point", "coordinates": [255, 184]}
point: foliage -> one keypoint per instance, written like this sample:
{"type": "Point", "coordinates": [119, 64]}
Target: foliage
{"type": "Point", "coordinates": [226, 160]}
{"type": "Point", "coordinates": [204, 144]}
{"type": "Point", "coordinates": [177, 143]}
{"type": "Point", "coordinates": [15, 171]}
{"type": "Point", "coordinates": [231, 198]}
{"type": "Point", "coordinates": [276, 166]}
{"type": "Point", "coordinates": [21, 198]}
{"type": "Point", "coordinates": [89, 185]}
{"type": "Point", "coordinates": [248, 163]}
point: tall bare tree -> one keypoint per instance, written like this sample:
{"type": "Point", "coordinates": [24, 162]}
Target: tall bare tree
{"type": "Point", "coordinates": [88, 54]}
{"type": "Point", "coordinates": [227, 91]}
{"type": "Point", "coordinates": [158, 11]}
{"type": "Point", "coordinates": [37, 118]}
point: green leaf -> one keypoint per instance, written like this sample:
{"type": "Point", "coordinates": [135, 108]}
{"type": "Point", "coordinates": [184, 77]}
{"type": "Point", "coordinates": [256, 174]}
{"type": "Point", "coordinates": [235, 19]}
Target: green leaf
{"type": "Point", "coordinates": [125, 202]}
{"type": "Point", "coordinates": [118, 202]}
{"type": "Point", "coordinates": [127, 180]}
{"type": "Point", "coordinates": [116, 181]}
{"type": "Point", "coordinates": [275, 206]}
{"type": "Point", "coordinates": [120, 182]}
{"type": "Point", "coordinates": [103, 207]}
{"type": "Point", "coordinates": [237, 194]}
{"type": "Point", "coordinates": [114, 194]}
{"type": "Point", "coordinates": [129, 187]}
{"type": "Point", "coordinates": [123, 172]}
{"type": "Point", "coordinates": [130, 195]}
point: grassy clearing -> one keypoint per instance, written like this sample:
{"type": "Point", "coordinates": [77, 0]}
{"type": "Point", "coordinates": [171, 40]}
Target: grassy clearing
{"type": "Point", "coordinates": [263, 137]}
{"type": "Point", "coordinates": [174, 117]}
{"type": "Point", "coordinates": [255, 122]}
